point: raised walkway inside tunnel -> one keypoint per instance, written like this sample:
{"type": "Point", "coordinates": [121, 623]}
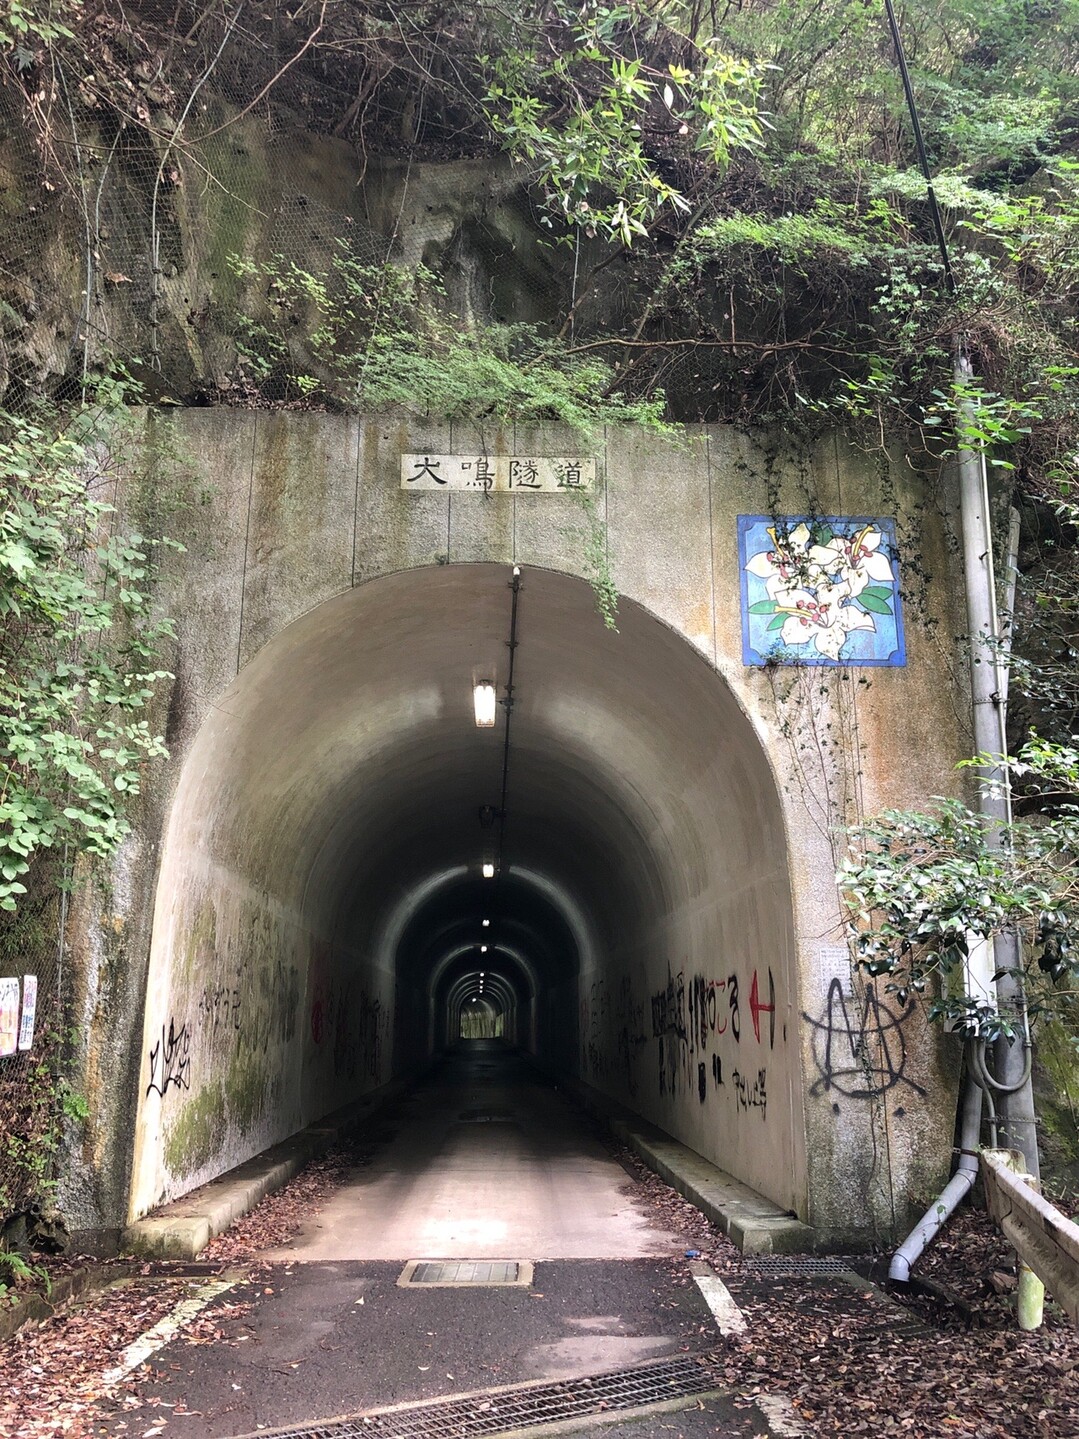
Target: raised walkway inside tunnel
{"type": "Point", "coordinates": [486, 1161]}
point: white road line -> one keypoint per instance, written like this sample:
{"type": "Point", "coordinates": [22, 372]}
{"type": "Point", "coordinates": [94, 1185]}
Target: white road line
{"type": "Point", "coordinates": [779, 1411]}
{"type": "Point", "coordinates": [165, 1329]}
{"type": "Point", "coordinates": [717, 1296]}
{"type": "Point", "coordinates": [776, 1408]}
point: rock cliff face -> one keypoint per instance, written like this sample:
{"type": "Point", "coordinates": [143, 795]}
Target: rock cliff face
{"type": "Point", "coordinates": [130, 254]}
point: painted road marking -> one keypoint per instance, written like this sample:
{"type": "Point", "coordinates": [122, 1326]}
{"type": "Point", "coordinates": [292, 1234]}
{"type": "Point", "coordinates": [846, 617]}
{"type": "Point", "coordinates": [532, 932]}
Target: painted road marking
{"type": "Point", "coordinates": [165, 1329]}
{"type": "Point", "coordinates": [717, 1296]}
{"type": "Point", "coordinates": [779, 1411]}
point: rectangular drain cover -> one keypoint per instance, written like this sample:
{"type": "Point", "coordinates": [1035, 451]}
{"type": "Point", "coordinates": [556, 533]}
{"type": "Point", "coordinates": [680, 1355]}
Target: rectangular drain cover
{"type": "Point", "coordinates": [484, 1116]}
{"type": "Point", "coordinates": [458, 1273]}
{"type": "Point", "coordinates": [796, 1264]}
{"type": "Point", "coordinates": [521, 1406]}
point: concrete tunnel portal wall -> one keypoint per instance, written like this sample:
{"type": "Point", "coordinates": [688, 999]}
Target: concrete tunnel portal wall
{"type": "Point", "coordinates": [320, 898]}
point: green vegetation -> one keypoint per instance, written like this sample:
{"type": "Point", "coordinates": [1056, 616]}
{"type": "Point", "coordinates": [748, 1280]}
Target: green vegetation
{"type": "Point", "coordinates": [924, 886]}
{"type": "Point", "coordinates": [79, 647]}
{"type": "Point", "coordinates": [727, 202]}
{"type": "Point", "coordinates": [372, 337]}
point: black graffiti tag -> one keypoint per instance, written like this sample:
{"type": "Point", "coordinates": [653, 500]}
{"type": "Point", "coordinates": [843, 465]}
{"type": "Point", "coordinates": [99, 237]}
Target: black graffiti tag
{"type": "Point", "coordinates": [861, 1057]}
{"type": "Point", "coordinates": [170, 1061]}
{"type": "Point", "coordinates": [752, 1093]}
{"type": "Point", "coordinates": [736, 1020]}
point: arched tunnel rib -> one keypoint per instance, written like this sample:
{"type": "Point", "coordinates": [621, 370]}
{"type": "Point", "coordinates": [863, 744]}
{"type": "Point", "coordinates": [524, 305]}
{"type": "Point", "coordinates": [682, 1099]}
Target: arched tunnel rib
{"type": "Point", "coordinates": [321, 897]}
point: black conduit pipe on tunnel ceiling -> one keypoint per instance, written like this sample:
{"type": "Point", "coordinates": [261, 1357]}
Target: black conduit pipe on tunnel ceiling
{"type": "Point", "coordinates": [507, 704]}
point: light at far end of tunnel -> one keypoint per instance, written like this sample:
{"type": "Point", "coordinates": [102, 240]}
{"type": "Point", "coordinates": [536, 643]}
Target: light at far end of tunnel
{"type": "Point", "coordinates": [488, 871]}
{"type": "Point", "coordinates": [486, 924]}
{"type": "Point", "coordinates": [483, 698]}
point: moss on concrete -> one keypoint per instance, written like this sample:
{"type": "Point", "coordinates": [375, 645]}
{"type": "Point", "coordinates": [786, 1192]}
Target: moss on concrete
{"type": "Point", "coordinates": [1056, 1091]}
{"type": "Point", "coordinates": [246, 1089]}
{"type": "Point", "coordinates": [198, 1131]}
{"type": "Point", "coordinates": [201, 941]}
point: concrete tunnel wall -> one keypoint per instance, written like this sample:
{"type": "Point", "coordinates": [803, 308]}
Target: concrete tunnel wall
{"type": "Point", "coordinates": [342, 773]}
{"type": "Point", "coordinates": [307, 856]}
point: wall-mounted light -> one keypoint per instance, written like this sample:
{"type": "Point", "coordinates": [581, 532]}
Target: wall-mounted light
{"type": "Point", "coordinates": [488, 871]}
{"type": "Point", "coordinates": [485, 704]}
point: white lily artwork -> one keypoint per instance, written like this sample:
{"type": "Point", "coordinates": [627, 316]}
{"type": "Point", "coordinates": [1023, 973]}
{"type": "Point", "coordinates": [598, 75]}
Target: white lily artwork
{"type": "Point", "coordinates": [819, 591]}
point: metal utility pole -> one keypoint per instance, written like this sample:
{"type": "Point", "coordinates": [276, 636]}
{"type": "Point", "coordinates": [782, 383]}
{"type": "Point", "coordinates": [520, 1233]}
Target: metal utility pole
{"type": "Point", "coordinates": [1008, 1092]}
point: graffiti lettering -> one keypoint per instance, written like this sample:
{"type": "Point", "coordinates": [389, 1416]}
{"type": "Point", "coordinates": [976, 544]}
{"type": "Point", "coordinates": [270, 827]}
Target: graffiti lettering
{"type": "Point", "coordinates": [860, 1057]}
{"type": "Point", "coordinates": [360, 1026]}
{"type": "Point", "coordinates": [756, 1009]}
{"type": "Point", "coordinates": [751, 1093]}
{"type": "Point", "coordinates": [612, 1032]}
{"type": "Point", "coordinates": [219, 1007]}
{"type": "Point", "coordinates": [690, 1015]}
{"type": "Point", "coordinates": [669, 1008]}
{"type": "Point", "coordinates": [170, 1061]}
{"type": "Point", "coordinates": [732, 995]}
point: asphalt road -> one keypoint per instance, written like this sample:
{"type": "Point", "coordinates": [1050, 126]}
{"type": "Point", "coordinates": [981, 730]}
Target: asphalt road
{"type": "Point", "coordinates": [486, 1163]}
{"type": "Point", "coordinates": [483, 1161]}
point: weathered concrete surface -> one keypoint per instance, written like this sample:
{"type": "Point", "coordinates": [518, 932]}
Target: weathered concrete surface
{"type": "Point", "coordinates": [182, 1229]}
{"type": "Point", "coordinates": [674, 813]}
{"type": "Point", "coordinates": [484, 1168]}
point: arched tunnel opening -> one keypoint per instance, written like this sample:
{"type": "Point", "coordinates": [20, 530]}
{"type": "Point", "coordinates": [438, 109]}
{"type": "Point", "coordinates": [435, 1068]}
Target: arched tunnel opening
{"type": "Point", "coordinates": [343, 896]}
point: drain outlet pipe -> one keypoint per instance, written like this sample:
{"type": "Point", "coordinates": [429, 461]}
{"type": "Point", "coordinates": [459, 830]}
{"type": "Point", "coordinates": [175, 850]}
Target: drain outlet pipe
{"type": "Point", "coordinates": [957, 1188]}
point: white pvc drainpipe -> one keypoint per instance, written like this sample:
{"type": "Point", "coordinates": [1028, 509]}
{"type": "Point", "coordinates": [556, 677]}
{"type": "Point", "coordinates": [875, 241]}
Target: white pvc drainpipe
{"type": "Point", "coordinates": [957, 1188]}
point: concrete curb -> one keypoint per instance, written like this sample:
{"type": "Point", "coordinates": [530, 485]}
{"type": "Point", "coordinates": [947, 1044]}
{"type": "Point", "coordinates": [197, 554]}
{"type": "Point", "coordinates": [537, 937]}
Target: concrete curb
{"type": "Point", "coordinates": [36, 1308]}
{"type": "Point", "coordinates": [182, 1229]}
{"type": "Point", "coordinates": [752, 1222]}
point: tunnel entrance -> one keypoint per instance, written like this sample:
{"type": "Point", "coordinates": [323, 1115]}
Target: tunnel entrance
{"type": "Point", "coordinates": [343, 894]}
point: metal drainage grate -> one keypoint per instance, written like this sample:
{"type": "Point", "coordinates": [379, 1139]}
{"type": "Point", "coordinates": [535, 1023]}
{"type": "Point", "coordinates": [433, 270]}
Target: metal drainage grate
{"type": "Point", "coordinates": [520, 1406]}
{"type": "Point", "coordinates": [485, 1116]}
{"type": "Point", "coordinates": [773, 1265]}
{"type": "Point", "coordinates": [459, 1273]}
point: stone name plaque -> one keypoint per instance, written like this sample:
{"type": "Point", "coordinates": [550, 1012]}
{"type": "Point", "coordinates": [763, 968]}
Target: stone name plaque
{"type": "Point", "coordinates": [498, 474]}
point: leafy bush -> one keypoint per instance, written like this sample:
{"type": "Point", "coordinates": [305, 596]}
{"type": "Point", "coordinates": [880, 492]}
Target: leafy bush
{"type": "Point", "coordinates": [78, 645]}
{"type": "Point", "coordinates": [921, 886]}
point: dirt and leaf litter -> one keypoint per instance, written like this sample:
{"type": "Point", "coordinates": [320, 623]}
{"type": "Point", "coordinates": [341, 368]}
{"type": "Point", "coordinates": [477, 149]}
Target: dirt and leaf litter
{"type": "Point", "coordinates": [850, 1362]}
{"type": "Point", "coordinates": [54, 1376]}
{"type": "Point", "coordinates": [853, 1363]}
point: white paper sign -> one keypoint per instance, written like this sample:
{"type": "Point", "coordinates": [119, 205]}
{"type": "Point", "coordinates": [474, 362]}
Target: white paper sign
{"type": "Point", "coordinates": [834, 962]}
{"type": "Point", "coordinates": [9, 1016]}
{"type": "Point", "coordinates": [499, 474]}
{"type": "Point", "coordinates": [29, 1011]}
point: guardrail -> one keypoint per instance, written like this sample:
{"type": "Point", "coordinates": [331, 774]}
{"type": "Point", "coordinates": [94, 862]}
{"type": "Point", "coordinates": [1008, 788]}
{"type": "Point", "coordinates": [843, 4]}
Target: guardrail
{"type": "Point", "coordinates": [1046, 1240]}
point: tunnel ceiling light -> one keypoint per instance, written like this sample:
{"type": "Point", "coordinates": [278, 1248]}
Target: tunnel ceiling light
{"type": "Point", "coordinates": [486, 705]}
{"type": "Point", "coordinates": [488, 871]}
